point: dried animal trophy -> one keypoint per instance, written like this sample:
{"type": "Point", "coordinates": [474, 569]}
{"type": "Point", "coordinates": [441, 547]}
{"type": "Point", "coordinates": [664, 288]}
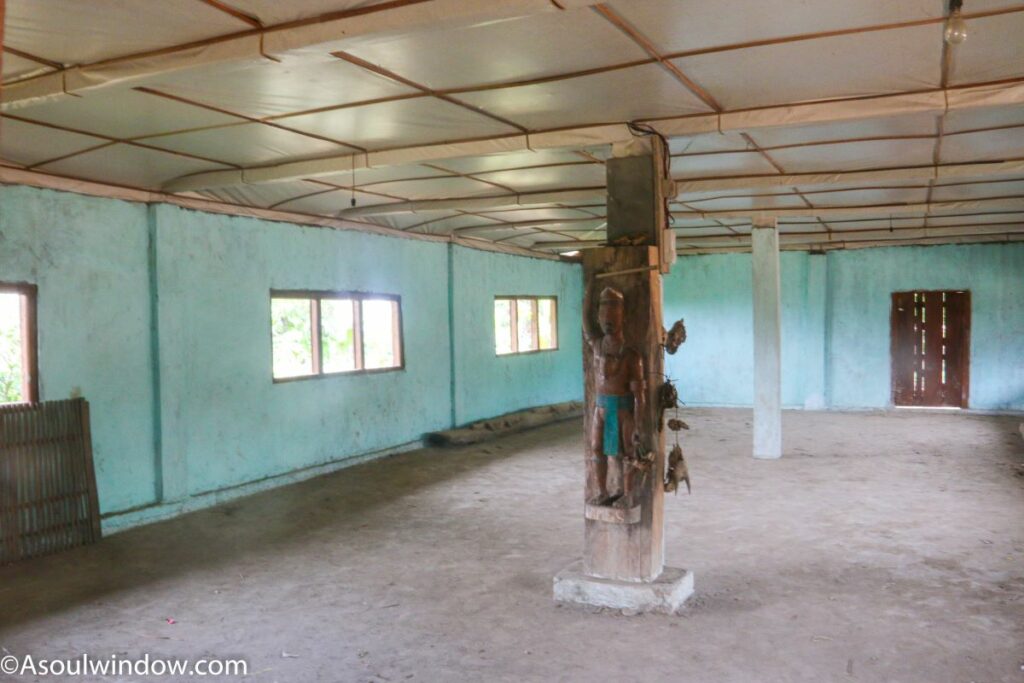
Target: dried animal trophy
{"type": "Point", "coordinates": [675, 424]}
{"type": "Point", "coordinates": [675, 337]}
{"type": "Point", "coordinates": [668, 398]}
{"type": "Point", "coordinates": [677, 471]}
{"type": "Point", "coordinates": [640, 458]}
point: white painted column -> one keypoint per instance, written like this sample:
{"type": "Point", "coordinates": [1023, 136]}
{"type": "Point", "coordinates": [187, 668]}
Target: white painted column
{"type": "Point", "coordinates": [767, 339]}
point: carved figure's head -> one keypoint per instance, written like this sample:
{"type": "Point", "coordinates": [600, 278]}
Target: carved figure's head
{"type": "Point", "coordinates": [611, 310]}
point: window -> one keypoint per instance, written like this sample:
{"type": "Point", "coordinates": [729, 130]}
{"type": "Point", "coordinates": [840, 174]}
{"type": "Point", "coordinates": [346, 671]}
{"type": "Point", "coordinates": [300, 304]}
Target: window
{"type": "Point", "coordinates": [328, 333]}
{"type": "Point", "coordinates": [19, 375]}
{"type": "Point", "coordinates": [524, 324]}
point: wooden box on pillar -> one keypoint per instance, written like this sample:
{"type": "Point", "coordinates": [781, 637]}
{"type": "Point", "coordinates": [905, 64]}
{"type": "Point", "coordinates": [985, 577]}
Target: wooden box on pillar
{"type": "Point", "coordinates": [626, 543]}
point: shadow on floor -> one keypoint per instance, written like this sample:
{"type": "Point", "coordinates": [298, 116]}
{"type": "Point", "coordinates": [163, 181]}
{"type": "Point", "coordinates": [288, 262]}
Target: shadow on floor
{"type": "Point", "coordinates": [265, 523]}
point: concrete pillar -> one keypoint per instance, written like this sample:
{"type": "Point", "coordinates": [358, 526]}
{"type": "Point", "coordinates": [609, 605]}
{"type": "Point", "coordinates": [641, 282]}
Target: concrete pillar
{"type": "Point", "coordinates": [767, 340]}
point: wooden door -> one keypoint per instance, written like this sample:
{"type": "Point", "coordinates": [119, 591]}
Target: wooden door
{"type": "Point", "coordinates": [930, 346]}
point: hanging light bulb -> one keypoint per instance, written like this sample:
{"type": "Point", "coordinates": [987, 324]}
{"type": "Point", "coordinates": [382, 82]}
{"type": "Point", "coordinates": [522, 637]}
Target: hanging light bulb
{"type": "Point", "coordinates": [956, 27]}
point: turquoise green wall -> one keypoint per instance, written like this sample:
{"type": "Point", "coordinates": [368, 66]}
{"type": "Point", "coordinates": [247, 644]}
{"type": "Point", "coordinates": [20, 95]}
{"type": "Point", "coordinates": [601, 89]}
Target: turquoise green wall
{"type": "Point", "coordinates": [160, 317]}
{"type": "Point", "coordinates": [861, 283]}
{"type": "Point", "coordinates": [88, 258]}
{"type": "Point", "coordinates": [716, 364]}
{"type": "Point", "coordinates": [221, 415]}
{"type": "Point", "coordinates": [487, 384]}
{"type": "Point", "coordinates": [835, 323]}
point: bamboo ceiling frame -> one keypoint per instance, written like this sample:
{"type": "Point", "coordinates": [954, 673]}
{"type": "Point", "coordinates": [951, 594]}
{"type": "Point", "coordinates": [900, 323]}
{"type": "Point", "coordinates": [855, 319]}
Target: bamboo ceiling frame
{"type": "Point", "coordinates": [1000, 171]}
{"type": "Point", "coordinates": [31, 58]}
{"type": "Point", "coordinates": [873, 233]}
{"type": "Point", "coordinates": [839, 245]}
{"type": "Point", "coordinates": [655, 58]}
{"type": "Point", "coordinates": [807, 240]}
{"type": "Point", "coordinates": [857, 188]}
{"type": "Point", "coordinates": [845, 141]}
{"type": "Point", "coordinates": [605, 11]}
{"type": "Point", "coordinates": [846, 234]}
{"type": "Point", "coordinates": [457, 10]}
{"type": "Point", "coordinates": [929, 101]}
{"type": "Point", "coordinates": [335, 188]}
{"type": "Point", "coordinates": [688, 83]}
{"type": "Point", "coordinates": [17, 176]}
{"type": "Point", "coordinates": [264, 41]}
{"type": "Point", "coordinates": [234, 12]}
{"type": "Point", "coordinates": [1015, 202]}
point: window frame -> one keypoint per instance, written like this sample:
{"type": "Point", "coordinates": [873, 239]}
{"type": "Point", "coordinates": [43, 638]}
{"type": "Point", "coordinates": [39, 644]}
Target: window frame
{"type": "Point", "coordinates": [29, 339]}
{"type": "Point", "coordinates": [315, 296]}
{"type": "Point", "coordinates": [514, 322]}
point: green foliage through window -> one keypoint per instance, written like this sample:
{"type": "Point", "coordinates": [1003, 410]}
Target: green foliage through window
{"type": "Point", "coordinates": [293, 337]}
{"type": "Point", "coordinates": [523, 324]}
{"type": "Point", "coordinates": [12, 377]}
{"type": "Point", "coordinates": [320, 334]}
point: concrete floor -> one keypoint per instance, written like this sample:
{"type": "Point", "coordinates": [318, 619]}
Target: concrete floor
{"type": "Point", "coordinates": [882, 547]}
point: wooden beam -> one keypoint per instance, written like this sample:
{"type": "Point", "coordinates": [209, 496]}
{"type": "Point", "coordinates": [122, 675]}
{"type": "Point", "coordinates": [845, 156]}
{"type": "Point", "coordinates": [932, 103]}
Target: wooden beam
{"type": "Point", "coordinates": [522, 225]}
{"type": "Point", "coordinates": [822, 236]}
{"type": "Point", "coordinates": [937, 172]}
{"type": "Point", "coordinates": [333, 31]}
{"type": "Point", "coordinates": [3, 15]}
{"type": "Point", "coordinates": [17, 176]}
{"type": "Point", "coordinates": [865, 244]}
{"type": "Point", "coordinates": [235, 12]}
{"type": "Point", "coordinates": [476, 203]}
{"type": "Point", "coordinates": [932, 101]}
{"type": "Point", "coordinates": [880, 210]}
{"type": "Point", "coordinates": [872, 234]}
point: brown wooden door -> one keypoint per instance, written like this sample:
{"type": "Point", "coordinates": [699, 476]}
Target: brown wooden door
{"type": "Point", "coordinates": [930, 340]}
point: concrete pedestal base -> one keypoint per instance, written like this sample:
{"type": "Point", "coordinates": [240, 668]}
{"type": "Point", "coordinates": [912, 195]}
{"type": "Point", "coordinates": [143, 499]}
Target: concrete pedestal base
{"type": "Point", "coordinates": [665, 594]}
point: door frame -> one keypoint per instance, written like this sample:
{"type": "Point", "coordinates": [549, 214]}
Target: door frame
{"type": "Point", "coordinates": [965, 359]}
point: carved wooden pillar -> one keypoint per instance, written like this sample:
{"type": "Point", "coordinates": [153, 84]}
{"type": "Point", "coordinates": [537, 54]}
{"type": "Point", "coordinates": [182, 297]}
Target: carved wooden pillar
{"type": "Point", "coordinates": [628, 543]}
{"type": "Point", "coordinates": [624, 543]}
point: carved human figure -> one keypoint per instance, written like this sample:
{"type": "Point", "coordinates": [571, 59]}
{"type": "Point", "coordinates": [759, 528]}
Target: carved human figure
{"type": "Point", "coordinates": [619, 383]}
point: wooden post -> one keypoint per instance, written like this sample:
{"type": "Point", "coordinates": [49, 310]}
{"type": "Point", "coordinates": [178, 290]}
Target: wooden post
{"type": "Point", "coordinates": [616, 545]}
{"type": "Point", "coordinates": [624, 337]}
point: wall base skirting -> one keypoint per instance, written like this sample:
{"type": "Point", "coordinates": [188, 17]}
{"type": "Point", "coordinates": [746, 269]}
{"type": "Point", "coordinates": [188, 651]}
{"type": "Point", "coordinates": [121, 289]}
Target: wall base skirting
{"type": "Point", "coordinates": [115, 522]}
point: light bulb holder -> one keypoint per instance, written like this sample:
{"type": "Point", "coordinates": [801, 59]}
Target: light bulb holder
{"type": "Point", "coordinates": [956, 28]}
{"type": "Point", "coordinates": [955, 31]}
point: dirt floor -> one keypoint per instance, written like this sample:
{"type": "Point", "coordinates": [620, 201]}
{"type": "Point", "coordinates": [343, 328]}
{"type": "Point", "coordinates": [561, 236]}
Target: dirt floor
{"type": "Point", "coordinates": [882, 547]}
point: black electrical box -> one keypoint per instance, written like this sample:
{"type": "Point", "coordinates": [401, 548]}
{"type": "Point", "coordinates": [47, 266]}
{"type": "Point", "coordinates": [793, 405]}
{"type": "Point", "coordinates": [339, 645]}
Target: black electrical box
{"type": "Point", "coordinates": [632, 199]}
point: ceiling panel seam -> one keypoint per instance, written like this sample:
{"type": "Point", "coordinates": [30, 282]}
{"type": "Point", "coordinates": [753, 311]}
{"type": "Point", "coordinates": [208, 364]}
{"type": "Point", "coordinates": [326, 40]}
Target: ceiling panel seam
{"type": "Point", "coordinates": [387, 73]}
{"type": "Point", "coordinates": [234, 12]}
{"type": "Point", "coordinates": [245, 119]}
{"type": "Point", "coordinates": [1010, 93]}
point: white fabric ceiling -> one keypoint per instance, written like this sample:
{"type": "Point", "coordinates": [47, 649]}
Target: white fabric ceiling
{"type": "Point", "coordinates": [504, 110]}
